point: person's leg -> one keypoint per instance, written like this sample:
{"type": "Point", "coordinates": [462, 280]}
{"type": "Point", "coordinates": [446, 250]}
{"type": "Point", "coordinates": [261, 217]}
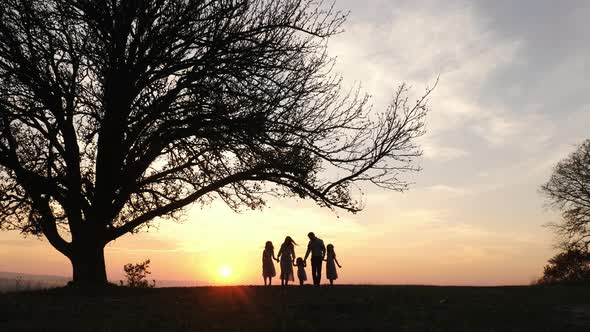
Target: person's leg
{"type": "Point", "coordinates": [320, 263]}
{"type": "Point", "coordinates": [313, 271]}
{"type": "Point", "coordinates": [316, 266]}
{"type": "Point", "coordinates": [316, 276]}
{"type": "Point", "coordinates": [270, 281]}
{"type": "Point", "coordinates": [318, 271]}
{"type": "Point", "coordinates": [331, 282]}
{"type": "Point", "coordinates": [264, 281]}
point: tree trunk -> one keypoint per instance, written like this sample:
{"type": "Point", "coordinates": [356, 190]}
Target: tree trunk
{"type": "Point", "coordinates": [88, 266]}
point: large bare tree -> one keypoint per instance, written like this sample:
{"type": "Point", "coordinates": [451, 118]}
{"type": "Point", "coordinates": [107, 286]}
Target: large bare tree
{"type": "Point", "coordinates": [568, 190]}
{"type": "Point", "coordinates": [116, 112]}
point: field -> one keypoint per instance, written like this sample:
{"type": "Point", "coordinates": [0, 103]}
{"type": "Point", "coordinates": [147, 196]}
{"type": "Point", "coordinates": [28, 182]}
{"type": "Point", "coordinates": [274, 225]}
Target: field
{"type": "Point", "coordinates": [341, 308]}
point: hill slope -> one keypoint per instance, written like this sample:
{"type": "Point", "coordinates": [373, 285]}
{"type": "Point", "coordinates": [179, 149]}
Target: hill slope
{"type": "Point", "coordinates": [342, 308]}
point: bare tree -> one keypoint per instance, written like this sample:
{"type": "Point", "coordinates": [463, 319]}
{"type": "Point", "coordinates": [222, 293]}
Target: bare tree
{"type": "Point", "coordinates": [113, 113]}
{"type": "Point", "coordinates": [568, 190]}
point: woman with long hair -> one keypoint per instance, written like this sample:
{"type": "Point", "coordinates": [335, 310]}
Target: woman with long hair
{"type": "Point", "coordinates": [287, 255]}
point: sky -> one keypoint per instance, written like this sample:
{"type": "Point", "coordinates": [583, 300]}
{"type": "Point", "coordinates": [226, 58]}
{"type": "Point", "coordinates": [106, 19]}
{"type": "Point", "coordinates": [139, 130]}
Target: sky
{"type": "Point", "coordinates": [510, 103]}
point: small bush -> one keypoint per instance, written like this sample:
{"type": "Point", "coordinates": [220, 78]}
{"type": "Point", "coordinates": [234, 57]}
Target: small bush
{"type": "Point", "coordinates": [136, 275]}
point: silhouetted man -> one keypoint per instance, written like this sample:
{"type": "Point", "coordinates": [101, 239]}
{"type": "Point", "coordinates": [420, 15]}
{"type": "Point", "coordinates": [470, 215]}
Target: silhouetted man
{"type": "Point", "coordinates": [318, 250]}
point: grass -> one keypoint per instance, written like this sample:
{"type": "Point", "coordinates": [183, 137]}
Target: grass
{"type": "Point", "coordinates": [341, 308]}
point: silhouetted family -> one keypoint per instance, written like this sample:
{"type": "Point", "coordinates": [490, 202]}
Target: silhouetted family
{"type": "Point", "coordinates": [286, 256]}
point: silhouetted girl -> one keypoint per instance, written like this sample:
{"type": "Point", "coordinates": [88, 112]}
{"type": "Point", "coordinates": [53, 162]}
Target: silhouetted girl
{"type": "Point", "coordinates": [331, 263]}
{"type": "Point", "coordinates": [287, 256]}
{"type": "Point", "coordinates": [268, 267]}
{"type": "Point", "coordinates": [301, 275]}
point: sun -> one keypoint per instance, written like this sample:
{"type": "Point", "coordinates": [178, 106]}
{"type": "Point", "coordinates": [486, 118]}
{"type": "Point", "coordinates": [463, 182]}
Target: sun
{"type": "Point", "coordinates": [225, 271]}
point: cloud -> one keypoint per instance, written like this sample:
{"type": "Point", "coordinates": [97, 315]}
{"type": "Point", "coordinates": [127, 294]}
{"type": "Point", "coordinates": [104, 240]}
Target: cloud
{"type": "Point", "coordinates": [415, 45]}
{"type": "Point", "coordinates": [440, 153]}
{"type": "Point", "coordinates": [528, 132]}
{"type": "Point", "coordinates": [448, 189]}
{"type": "Point", "coordinates": [425, 217]}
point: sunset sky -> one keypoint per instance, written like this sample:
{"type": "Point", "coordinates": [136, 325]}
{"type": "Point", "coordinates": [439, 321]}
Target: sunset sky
{"type": "Point", "coordinates": [512, 100]}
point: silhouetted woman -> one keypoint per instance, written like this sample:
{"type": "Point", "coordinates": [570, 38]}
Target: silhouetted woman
{"type": "Point", "coordinates": [287, 255]}
{"type": "Point", "coordinates": [331, 263]}
{"type": "Point", "coordinates": [268, 267]}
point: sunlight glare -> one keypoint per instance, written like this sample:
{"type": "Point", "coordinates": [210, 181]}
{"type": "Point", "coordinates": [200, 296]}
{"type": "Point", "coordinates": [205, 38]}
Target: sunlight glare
{"type": "Point", "coordinates": [225, 271]}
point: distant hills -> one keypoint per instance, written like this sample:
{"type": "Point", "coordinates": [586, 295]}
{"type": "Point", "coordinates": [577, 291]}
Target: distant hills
{"type": "Point", "coordinates": [14, 281]}
{"type": "Point", "coordinates": [14, 275]}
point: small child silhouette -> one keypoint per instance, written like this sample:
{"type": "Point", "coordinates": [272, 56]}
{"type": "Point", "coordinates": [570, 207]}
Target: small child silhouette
{"type": "Point", "coordinates": [301, 270]}
{"type": "Point", "coordinates": [331, 263]}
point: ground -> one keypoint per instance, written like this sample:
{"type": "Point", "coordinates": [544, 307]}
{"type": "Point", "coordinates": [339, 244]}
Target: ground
{"type": "Point", "coordinates": [341, 308]}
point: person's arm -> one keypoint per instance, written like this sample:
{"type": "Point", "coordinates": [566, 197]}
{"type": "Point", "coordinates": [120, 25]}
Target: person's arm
{"type": "Point", "coordinates": [304, 264]}
{"type": "Point", "coordinates": [280, 253]}
{"type": "Point", "coordinates": [273, 256]}
{"type": "Point", "coordinates": [335, 260]}
{"type": "Point", "coordinates": [323, 250]}
{"type": "Point", "coordinates": [308, 251]}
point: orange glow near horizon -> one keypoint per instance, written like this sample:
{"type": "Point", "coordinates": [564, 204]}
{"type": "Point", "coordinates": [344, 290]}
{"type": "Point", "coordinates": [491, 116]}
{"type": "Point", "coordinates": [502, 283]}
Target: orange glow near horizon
{"type": "Point", "coordinates": [215, 246]}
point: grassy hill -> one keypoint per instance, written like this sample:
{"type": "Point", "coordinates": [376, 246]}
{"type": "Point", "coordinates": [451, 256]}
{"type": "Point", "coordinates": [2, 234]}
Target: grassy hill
{"type": "Point", "coordinates": [341, 308]}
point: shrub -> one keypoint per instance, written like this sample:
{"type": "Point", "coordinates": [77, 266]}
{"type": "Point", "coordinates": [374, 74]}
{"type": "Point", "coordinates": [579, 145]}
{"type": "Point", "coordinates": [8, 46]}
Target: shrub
{"type": "Point", "coordinates": [136, 275]}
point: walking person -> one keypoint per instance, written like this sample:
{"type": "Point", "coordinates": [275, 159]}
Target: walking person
{"type": "Point", "coordinates": [268, 266]}
{"type": "Point", "coordinates": [331, 263]}
{"type": "Point", "coordinates": [318, 251]}
{"type": "Point", "coordinates": [287, 255]}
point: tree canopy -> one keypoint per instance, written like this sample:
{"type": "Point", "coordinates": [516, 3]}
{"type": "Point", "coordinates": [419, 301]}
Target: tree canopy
{"type": "Point", "coordinates": [572, 265]}
{"type": "Point", "coordinates": [568, 190]}
{"type": "Point", "coordinates": [113, 113]}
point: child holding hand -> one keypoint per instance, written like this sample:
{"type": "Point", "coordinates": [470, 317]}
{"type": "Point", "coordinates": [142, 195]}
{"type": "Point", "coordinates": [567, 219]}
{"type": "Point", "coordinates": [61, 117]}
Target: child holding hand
{"type": "Point", "coordinates": [301, 275]}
